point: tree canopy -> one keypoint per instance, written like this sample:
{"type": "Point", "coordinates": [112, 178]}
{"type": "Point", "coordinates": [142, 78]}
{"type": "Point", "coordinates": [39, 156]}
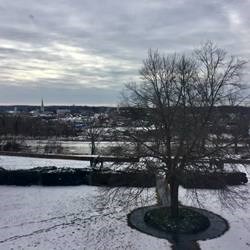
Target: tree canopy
{"type": "Point", "coordinates": [176, 102]}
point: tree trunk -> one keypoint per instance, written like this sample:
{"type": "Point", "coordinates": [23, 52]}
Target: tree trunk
{"type": "Point", "coordinates": [236, 149]}
{"type": "Point", "coordinates": [174, 193]}
{"type": "Point", "coordinates": [162, 190]}
{"type": "Point", "coordinates": [92, 147]}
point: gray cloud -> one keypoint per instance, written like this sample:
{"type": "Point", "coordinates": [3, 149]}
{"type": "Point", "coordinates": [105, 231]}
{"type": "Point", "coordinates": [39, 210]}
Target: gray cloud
{"type": "Point", "coordinates": [91, 48]}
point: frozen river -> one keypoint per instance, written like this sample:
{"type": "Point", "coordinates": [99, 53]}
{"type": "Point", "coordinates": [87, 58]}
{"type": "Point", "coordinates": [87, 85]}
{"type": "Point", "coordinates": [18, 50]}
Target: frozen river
{"type": "Point", "coordinates": [70, 147]}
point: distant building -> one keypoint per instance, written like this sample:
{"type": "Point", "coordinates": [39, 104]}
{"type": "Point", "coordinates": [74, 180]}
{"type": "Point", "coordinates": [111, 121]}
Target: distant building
{"type": "Point", "coordinates": [62, 112]}
{"type": "Point", "coordinates": [42, 107]}
{"type": "Point", "coordinates": [40, 112]}
{"type": "Point", "coordinates": [14, 112]}
{"type": "Point", "coordinates": [35, 112]}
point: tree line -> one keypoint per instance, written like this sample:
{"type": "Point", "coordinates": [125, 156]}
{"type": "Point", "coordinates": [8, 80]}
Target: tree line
{"type": "Point", "coordinates": [20, 125]}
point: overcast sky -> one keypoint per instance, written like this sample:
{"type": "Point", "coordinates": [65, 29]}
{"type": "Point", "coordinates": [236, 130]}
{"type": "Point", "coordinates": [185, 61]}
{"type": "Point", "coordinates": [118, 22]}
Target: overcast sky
{"type": "Point", "coordinates": [83, 51]}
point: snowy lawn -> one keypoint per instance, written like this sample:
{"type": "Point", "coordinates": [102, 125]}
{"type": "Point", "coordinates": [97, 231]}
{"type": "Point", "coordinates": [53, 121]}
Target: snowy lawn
{"type": "Point", "coordinates": [13, 162]}
{"type": "Point", "coordinates": [70, 218]}
{"type": "Point", "coordinates": [238, 217]}
{"type": "Point", "coordinates": [65, 218]}
{"type": "Point", "coordinates": [17, 162]}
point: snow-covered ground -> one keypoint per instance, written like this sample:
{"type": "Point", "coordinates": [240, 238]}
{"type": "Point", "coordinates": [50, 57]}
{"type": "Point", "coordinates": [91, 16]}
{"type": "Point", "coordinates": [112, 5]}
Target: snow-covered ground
{"type": "Point", "coordinates": [237, 237]}
{"type": "Point", "coordinates": [13, 162]}
{"type": "Point", "coordinates": [70, 218]}
{"type": "Point", "coordinates": [16, 162]}
{"type": "Point", "coordinates": [65, 218]}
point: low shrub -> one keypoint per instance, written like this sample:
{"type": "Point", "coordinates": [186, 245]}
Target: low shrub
{"type": "Point", "coordinates": [213, 180]}
{"type": "Point", "coordinates": [12, 146]}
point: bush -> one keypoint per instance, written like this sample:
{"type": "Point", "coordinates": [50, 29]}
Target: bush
{"type": "Point", "coordinates": [188, 222]}
{"type": "Point", "coordinates": [12, 146]}
{"type": "Point", "coordinates": [53, 176]}
{"type": "Point", "coordinates": [213, 180]}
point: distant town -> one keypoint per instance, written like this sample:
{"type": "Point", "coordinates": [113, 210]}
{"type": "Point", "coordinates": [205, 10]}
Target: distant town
{"type": "Point", "coordinates": [81, 117]}
{"type": "Point", "coordinates": [76, 115]}
{"type": "Point", "coordinates": [73, 119]}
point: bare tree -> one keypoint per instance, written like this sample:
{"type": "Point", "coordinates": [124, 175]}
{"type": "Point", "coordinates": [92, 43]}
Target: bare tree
{"type": "Point", "coordinates": [177, 103]}
{"type": "Point", "coordinates": [94, 133]}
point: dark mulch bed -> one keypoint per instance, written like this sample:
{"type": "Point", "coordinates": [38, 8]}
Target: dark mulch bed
{"type": "Point", "coordinates": [188, 221]}
{"type": "Point", "coordinates": [217, 227]}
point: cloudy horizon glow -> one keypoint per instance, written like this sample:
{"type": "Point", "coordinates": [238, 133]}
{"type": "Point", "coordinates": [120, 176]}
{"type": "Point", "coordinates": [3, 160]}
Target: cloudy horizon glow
{"type": "Point", "coordinates": [84, 51]}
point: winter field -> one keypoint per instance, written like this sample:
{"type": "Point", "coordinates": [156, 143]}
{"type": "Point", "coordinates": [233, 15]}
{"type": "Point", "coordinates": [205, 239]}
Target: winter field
{"type": "Point", "coordinates": [13, 162]}
{"type": "Point", "coordinates": [44, 218]}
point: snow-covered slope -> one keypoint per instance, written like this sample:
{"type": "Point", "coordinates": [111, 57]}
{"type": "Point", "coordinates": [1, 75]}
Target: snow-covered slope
{"type": "Point", "coordinates": [13, 162]}
{"type": "Point", "coordinates": [65, 218]}
{"type": "Point", "coordinates": [70, 218]}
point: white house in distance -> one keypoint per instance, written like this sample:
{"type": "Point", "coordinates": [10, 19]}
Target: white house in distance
{"type": "Point", "coordinates": [14, 112]}
{"type": "Point", "coordinates": [62, 112]}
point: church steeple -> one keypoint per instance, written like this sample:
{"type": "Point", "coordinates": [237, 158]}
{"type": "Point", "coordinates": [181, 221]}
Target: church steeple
{"type": "Point", "coordinates": [42, 106]}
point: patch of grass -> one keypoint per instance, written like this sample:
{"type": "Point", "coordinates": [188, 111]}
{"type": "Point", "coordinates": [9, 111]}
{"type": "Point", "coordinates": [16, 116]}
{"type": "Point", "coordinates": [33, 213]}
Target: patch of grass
{"type": "Point", "coordinates": [188, 221]}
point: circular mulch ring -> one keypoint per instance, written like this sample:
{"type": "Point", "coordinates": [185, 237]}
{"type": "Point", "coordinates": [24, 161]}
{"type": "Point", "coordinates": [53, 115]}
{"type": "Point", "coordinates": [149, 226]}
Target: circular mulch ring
{"type": "Point", "coordinates": [188, 222]}
{"type": "Point", "coordinates": [218, 226]}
